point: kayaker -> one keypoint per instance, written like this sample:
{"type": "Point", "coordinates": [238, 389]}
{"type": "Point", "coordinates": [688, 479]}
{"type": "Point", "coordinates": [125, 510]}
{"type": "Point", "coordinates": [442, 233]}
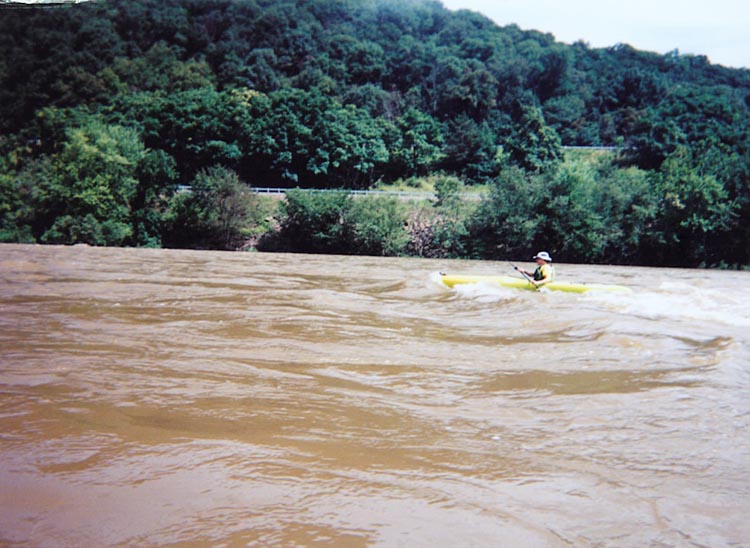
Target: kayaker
{"type": "Point", "coordinates": [544, 272]}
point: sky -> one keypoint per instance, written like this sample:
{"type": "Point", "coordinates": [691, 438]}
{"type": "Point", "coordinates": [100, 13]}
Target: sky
{"type": "Point", "coordinates": [718, 29]}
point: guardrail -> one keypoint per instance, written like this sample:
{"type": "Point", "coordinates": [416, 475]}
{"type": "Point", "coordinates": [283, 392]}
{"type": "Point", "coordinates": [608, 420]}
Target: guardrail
{"type": "Point", "coordinates": [356, 192]}
{"type": "Point", "coordinates": [591, 147]}
{"type": "Point", "coordinates": [413, 194]}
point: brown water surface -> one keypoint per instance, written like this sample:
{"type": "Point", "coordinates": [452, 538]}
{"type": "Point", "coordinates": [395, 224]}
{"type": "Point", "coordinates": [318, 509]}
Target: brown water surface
{"type": "Point", "coordinates": [157, 397]}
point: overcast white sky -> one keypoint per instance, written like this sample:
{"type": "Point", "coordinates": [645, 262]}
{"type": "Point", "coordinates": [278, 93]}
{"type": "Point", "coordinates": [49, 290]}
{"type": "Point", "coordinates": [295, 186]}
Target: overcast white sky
{"type": "Point", "coordinates": [718, 29]}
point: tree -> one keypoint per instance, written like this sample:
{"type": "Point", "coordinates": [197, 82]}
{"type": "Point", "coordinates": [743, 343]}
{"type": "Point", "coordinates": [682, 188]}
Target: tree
{"type": "Point", "coordinates": [449, 225]}
{"type": "Point", "coordinates": [157, 182]}
{"type": "Point", "coordinates": [316, 222]}
{"type": "Point", "coordinates": [215, 213]}
{"type": "Point", "coordinates": [582, 211]}
{"type": "Point", "coordinates": [361, 61]}
{"type": "Point", "coordinates": [419, 145]}
{"type": "Point", "coordinates": [695, 215]}
{"type": "Point", "coordinates": [377, 226]}
{"type": "Point", "coordinates": [471, 149]}
{"type": "Point", "coordinates": [627, 202]}
{"type": "Point", "coordinates": [510, 220]}
{"type": "Point", "coordinates": [198, 128]}
{"type": "Point", "coordinates": [346, 93]}
{"type": "Point", "coordinates": [534, 145]}
{"type": "Point", "coordinates": [311, 139]}
{"type": "Point", "coordinates": [16, 208]}
{"type": "Point", "coordinates": [87, 197]}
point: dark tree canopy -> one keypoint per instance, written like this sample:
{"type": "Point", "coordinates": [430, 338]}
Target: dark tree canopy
{"type": "Point", "coordinates": [342, 94]}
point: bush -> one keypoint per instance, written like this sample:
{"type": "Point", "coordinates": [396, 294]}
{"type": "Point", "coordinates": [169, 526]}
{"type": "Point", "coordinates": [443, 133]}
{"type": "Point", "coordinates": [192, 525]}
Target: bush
{"type": "Point", "coordinates": [86, 191]}
{"type": "Point", "coordinates": [315, 222]}
{"type": "Point", "coordinates": [216, 213]}
{"type": "Point", "coordinates": [510, 219]}
{"type": "Point", "coordinates": [377, 226]}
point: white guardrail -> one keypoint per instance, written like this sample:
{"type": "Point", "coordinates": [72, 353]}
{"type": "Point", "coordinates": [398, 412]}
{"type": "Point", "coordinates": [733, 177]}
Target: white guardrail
{"type": "Point", "coordinates": [395, 193]}
{"type": "Point", "coordinates": [403, 194]}
{"type": "Point", "coordinates": [412, 194]}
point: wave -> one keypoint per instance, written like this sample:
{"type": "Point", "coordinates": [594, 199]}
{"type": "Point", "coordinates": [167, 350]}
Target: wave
{"type": "Point", "coordinates": [667, 300]}
{"type": "Point", "coordinates": [681, 301]}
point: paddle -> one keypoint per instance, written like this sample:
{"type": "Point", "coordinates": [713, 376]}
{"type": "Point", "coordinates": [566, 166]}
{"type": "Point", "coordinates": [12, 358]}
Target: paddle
{"type": "Point", "coordinates": [523, 274]}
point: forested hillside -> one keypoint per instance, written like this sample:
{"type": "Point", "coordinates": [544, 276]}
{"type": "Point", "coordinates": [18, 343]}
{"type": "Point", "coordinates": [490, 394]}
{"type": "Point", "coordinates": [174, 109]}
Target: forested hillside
{"type": "Point", "coordinates": [107, 107]}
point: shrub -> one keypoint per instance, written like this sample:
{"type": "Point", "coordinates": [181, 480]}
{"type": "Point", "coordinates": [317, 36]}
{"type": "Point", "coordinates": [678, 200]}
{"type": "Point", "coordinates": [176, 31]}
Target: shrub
{"type": "Point", "coordinates": [214, 214]}
{"type": "Point", "coordinates": [377, 226]}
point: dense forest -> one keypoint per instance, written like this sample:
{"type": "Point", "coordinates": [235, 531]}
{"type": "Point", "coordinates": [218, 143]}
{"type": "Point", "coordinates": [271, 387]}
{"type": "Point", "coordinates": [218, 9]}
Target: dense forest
{"type": "Point", "coordinates": [110, 109]}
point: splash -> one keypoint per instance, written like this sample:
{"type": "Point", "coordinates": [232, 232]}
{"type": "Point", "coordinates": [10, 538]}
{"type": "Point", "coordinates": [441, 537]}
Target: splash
{"type": "Point", "coordinates": [481, 292]}
{"type": "Point", "coordinates": [680, 301]}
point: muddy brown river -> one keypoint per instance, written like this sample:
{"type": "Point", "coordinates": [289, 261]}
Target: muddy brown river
{"type": "Point", "coordinates": [192, 398]}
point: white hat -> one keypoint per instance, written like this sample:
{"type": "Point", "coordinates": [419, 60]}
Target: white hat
{"type": "Point", "coordinates": [544, 256]}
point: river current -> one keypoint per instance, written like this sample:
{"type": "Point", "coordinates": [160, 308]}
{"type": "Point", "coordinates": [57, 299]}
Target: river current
{"type": "Point", "coordinates": [194, 398]}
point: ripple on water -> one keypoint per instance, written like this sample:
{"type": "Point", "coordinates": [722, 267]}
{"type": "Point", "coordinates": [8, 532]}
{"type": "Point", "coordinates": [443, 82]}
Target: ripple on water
{"type": "Point", "coordinates": [166, 397]}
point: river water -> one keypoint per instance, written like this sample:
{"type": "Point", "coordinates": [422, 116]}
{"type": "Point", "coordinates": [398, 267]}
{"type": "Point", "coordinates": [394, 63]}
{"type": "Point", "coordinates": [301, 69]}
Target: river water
{"type": "Point", "coordinates": [193, 398]}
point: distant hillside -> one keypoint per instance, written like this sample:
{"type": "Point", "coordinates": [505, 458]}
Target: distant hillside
{"type": "Point", "coordinates": [344, 93]}
{"type": "Point", "coordinates": [386, 58]}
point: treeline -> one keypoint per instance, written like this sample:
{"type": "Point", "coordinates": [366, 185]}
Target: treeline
{"type": "Point", "coordinates": [589, 210]}
{"type": "Point", "coordinates": [106, 108]}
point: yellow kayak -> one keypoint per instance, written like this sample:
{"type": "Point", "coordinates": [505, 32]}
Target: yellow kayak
{"type": "Point", "coordinates": [452, 280]}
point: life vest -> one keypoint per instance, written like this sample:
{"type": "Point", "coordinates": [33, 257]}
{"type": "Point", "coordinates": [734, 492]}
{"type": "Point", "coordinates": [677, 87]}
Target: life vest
{"type": "Point", "coordinates": [542, 270]}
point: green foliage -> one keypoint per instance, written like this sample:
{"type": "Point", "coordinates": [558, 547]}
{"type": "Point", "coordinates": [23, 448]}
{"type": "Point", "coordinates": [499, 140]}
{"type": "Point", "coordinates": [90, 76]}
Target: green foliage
{"type": "Point", "coordinates": [157, 175]}
{"type": "Point", "coordinates": [510, 219]}
{"type": "Point", "coordinates": [534, 145]}
{"type": "Point", "coordinates": [14, 213]}
{"type": "Point", "coordinates": [70, 229]}
{"type": "Point", "coordinates": [580, 212]}
{"type": "Point", "coordinates": [308, 137]}
{"type": "Point", "coordinates": [106, 106]}
{"type": "Point", "coordinates": [315, 222]}
{"type": "Point", "coordinates": [627, 203]}
{"type": "Point", "coordinates": [449, 225]}
{"type": "Point", "coordinates": [161, 69]}
{"type": "Point", "coordinates": [85, 197]}
{"type": "Point", "coordinates": [696, 212]}
{"type": "Point", "coordinates": [578, 220]}
{"type": "Point", "coordinates": [214, 213]}
{"type": "Point", "coordinates": [418, 145]}
{"type": "Point", "coordinates": [198, 128]}
{"type": "Point", "coordinates": [335, 222]}
{"type": "Point", "coordinates": [377, 226]}
{"type": "Point", "coordinates": [471, 149]}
